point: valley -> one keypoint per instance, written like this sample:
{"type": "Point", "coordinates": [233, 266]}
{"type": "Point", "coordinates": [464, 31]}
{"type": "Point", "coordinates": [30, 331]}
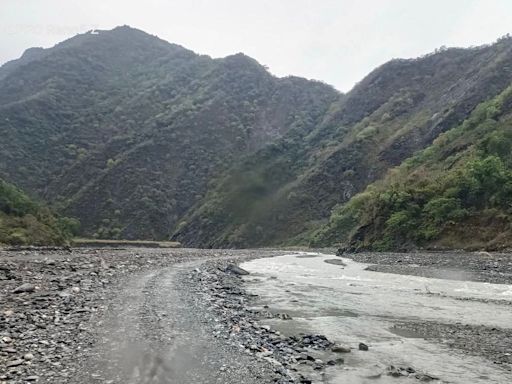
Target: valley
{"type": "Point", "coordinates": [141, 139]}
{"type": "Point", "coordinates": [290, 192]}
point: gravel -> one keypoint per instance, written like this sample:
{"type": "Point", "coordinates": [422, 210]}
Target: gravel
{"type": "Point", "coordinates": [300, 358]}
{"type": "Point", "coordinates": [48, 301]}
{"type": "Point", "coordinates": [472, 266]}
{"type": "Point", "coordinates": [54, 304]}
{"type": "Point", "coordinates": [141, 316]}
{"type": "Point", "coordinates": [166, 316]}
{"type": "Point", "coordinates": [495, 344]}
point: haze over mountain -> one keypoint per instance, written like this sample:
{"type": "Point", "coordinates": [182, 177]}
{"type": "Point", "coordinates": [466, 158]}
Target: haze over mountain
{"type": "Point", "coordinates": [142, 139]}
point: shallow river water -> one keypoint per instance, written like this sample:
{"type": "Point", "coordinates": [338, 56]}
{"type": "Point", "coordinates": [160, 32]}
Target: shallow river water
{"type": "Point", "coordinates": [350, 305]}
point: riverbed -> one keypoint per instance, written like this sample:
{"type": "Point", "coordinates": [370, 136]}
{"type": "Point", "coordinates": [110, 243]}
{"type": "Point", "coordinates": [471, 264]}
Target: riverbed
{"type": "Point", "coordinates": [350, 305]}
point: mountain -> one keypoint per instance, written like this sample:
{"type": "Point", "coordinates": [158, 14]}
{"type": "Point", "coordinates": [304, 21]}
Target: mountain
{"type": "Point", "coordinates": [284, 192]}
{"type": "Point", "coordinates": [142, 139]}
{"type": "Point", "coordinates": [455, 193]}
{"type": "Point", "coordinates": [124, 131]}
{"type": "Point", "coordinates": [25, 222]}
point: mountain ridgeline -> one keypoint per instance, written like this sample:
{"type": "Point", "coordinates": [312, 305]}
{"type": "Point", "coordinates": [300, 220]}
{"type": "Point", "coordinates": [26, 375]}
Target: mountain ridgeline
{"type": "Point", "coordinates": [142, 139]}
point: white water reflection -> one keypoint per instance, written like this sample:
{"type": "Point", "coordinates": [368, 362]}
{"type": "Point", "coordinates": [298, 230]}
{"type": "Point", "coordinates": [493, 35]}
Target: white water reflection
{"type": "Point", "coordinates": [349, 305]}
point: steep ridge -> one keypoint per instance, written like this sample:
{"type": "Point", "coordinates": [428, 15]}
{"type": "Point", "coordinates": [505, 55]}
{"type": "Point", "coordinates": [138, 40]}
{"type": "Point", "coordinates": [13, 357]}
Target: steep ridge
{"type": "Point", "coordinates": [124, 130]}
{"type": "Point", "coordinates": [454, 194]}
{"type": "Point", "coordinates": [284, 192]}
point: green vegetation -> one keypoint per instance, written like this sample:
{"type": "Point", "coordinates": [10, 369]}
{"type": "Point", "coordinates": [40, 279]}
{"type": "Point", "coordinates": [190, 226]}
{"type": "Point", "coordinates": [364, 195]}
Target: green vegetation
{"type": "Point", "coordinates": [456, 192]}
{"type": "Point", "coordinates": [24, 222]}
{"type": "Point", "coordinates": [142, 139]}
{"type": "Point", "coordinates": [283, 193]}
{"type": "Point", "coordinates": [125, 131]}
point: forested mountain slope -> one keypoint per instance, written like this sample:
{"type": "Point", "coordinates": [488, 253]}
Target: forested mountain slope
{"type": "Point", "coordinates": [124, 130]}
{"type": "Point", "coordinates": [23, 221]}
{"type": "Point", "coordinates": [143, 139]}
{"type": "Point", "coordinates": [455, 193]}
{"type": "Point", "coordinates": [284, 192]}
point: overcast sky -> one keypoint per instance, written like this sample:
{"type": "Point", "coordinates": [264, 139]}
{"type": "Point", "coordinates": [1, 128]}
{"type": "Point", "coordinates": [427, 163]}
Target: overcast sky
{"type": "Point", "coordinates": [337, 41]}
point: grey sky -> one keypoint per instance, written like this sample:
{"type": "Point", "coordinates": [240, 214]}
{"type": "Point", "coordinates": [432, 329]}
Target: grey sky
{"type": "Point", "coordinates": [335, 41]}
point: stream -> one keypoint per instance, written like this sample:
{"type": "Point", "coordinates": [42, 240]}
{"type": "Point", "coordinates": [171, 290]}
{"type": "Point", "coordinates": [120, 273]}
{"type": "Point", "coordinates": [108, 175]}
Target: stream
{"type": "Point", "coordinates": [349, 305]}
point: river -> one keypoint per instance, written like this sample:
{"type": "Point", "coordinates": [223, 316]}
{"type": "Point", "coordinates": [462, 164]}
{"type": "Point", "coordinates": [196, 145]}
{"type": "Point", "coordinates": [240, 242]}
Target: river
{"type": "Point", "coordinates": [349, 305]}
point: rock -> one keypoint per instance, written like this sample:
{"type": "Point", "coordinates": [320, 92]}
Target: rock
{"type": "Point", "coordinates": [338, 361]}
{"type": "Point", "coordinates": [6, 340]}
{"type": "Point", "coordinates": [27, 287]}
{"type": "Point", "coordinates": [302, 356]}
{"type": "Point", "coordinates": [284, 316]}
{"type": "Point", "coordinates": [394, 371]}
{"type": "Point", "coordinates": [340, 349]}
{"type": "Point", "coordinates": [236, 270]}
{"type": "Point", "coordinates": [335, 262]}
{"type": "Point", "coordinates": [363, 347]}
{"type": "Point", "coordinates": [14, 363]}
{"type": "Point", "coordinates": [425, 377]}
{"type": "Point", "coordinates": [31, 378]}
{"type": "Point", "coordinates": [28, 356]}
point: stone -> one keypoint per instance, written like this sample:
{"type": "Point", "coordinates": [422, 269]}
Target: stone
{"type": "Point", "coordinates": [340, 349]}
{"type": "Point", "coordinates": [28, 356]}
{"type": "Point", "coordinates": [236, 270]}
{"type": "Point", "coordinates": [335, 262]}
{"type": "Point", "coordinates": [14, 363]}
{"type": "Point", "coordinates": [425, 377]}
{"type": "Point", "coordinates": [27, 287]}
{"type": "Point", "coordinates": [363, 347]}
